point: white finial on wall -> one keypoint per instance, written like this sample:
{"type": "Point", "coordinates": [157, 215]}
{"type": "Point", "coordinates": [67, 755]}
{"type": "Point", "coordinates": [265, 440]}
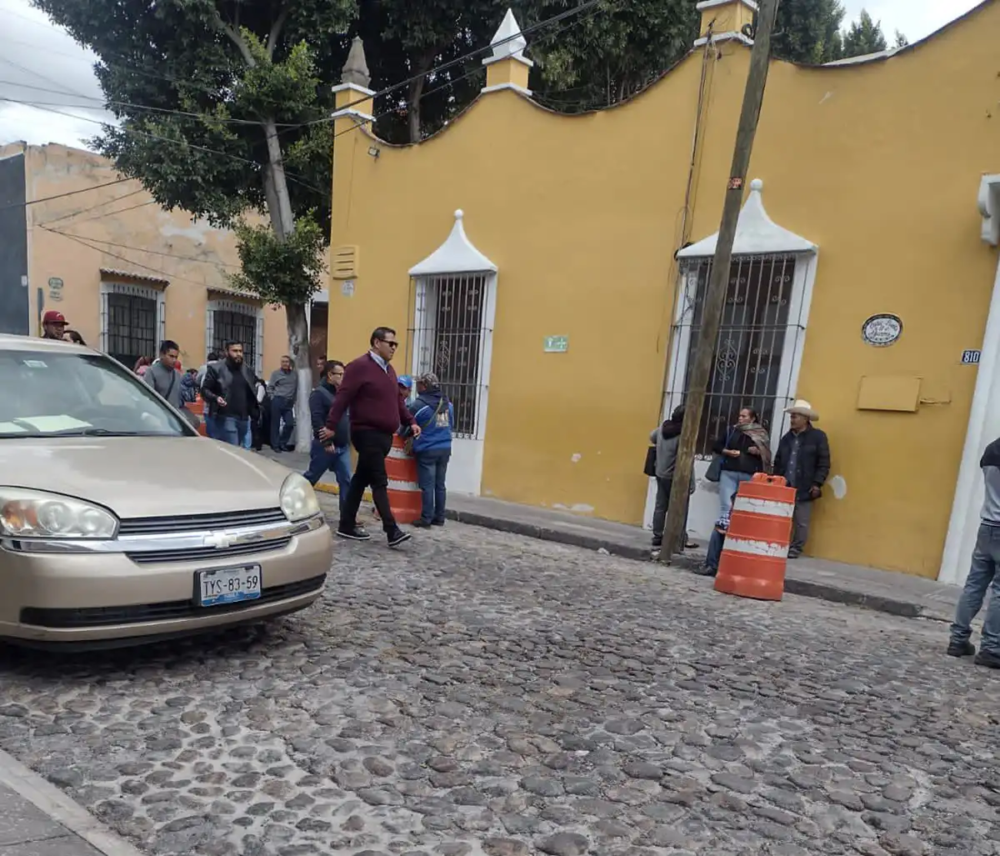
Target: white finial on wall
{"type": "Point", "coordinates": [509, 42]}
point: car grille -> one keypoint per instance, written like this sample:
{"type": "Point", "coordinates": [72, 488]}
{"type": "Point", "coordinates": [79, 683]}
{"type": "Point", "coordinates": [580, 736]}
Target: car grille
{"type": "Point", "coordinates": [199, 522]}
{"type": "Point", "coordinates": [105, 616]}
{"type": "Point", "coordinates": [152, 557]}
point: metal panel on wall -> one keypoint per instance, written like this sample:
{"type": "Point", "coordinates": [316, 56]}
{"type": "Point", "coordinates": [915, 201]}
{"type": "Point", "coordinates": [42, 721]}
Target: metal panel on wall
{"type": "Point", "coordinates": [13, 247]}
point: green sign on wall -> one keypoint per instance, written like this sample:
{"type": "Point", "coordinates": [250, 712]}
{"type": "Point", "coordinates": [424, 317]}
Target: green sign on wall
{"type": "Point", "coordinates": [556, 344]}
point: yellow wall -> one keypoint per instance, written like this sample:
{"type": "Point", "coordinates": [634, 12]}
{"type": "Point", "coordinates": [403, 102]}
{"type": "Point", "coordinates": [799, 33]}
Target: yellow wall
{"type": "Point", "coordinates": [145, 240]}
{"type": "Point", "coordinates": [877, 163]}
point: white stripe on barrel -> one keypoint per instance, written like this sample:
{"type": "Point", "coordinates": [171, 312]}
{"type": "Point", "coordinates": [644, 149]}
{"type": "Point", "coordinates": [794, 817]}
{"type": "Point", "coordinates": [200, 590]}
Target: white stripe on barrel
{"type": "Point", "coordinates": [755, 548]}
{"type": "Point", "coordinates": [768, 507]}
{"type": "Point", "coordinates": [399, 454]}
{"type": "Point", "coordinates": [412, 487]}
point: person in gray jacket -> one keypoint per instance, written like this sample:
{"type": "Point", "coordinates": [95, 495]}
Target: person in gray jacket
{"type": "Point", "coordinates": [163, 376]}
{"type": "Point", "coordinates": [283, 389]}
{"type": "Point", "coordinates": [666, 439]}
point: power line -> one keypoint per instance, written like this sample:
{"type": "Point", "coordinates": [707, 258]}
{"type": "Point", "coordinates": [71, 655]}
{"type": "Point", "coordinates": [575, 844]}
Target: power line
{"type": "Point", "coordinates": [290, 175]}
{"type": "Point", "coordinates": [554, 19]}
{"type": "Point", "coordinates": [67, 193]}
{"type": "Point", "coordinates": [90, 207]}
{"type": "Point", "coordinates": [108, 213]}
{"type": "Point", "coordinates": [166, 276]}
{"type": "Point", "coordinates": [139, 249]}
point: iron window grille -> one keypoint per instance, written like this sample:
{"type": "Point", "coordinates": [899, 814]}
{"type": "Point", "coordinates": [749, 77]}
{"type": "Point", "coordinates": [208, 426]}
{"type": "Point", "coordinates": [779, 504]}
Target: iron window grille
{"type": "Point", "coordinates": [232, 321]}
{"type": "Point", "coordinates": [132, 321]}
{"type": "Point", "coordinates": [747, 364]}
{"type": "Point", "coordinates": [450, 338]}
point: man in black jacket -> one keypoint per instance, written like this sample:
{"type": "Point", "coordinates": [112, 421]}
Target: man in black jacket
{"type": "Point", "coordinates": [335, 453]}
{"type": "Point", "coordinates": [804, 460]}
{"type": "Point", "coordinates": [230, 389]}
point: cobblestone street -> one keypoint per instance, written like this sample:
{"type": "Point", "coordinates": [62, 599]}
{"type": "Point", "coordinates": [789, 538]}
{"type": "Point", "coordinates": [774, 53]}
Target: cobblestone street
{"type": "Point", "coordinates": [480, 693]}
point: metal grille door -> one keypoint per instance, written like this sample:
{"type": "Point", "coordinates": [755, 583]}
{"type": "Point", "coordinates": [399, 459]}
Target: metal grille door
{"type": "Point", "coordinates": [449, 336]}
{"type": "Point", "coordinates": [228, 326]}
{"type": "Point", "coordinates": [131, 325]}
{"type": "Point", "coordinates": [748, 352]}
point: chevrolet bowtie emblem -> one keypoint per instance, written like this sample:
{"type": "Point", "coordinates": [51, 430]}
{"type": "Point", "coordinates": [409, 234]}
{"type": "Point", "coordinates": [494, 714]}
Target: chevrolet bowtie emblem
{"type": "Point", "coordinates": [219, 540]}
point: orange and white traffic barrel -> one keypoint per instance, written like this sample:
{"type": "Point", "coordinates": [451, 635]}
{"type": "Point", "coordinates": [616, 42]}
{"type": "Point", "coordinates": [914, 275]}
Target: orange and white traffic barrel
{"type": "Point", "coordinates": [755, 554]}
{"type": "Point", "coordinates": [197, 407]}
{"type": "Point", "coordinates": [405, 498]}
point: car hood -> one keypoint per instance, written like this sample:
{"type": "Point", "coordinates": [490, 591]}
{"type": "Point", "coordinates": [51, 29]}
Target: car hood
{"type": "Point", "coordinates": [144, 476]}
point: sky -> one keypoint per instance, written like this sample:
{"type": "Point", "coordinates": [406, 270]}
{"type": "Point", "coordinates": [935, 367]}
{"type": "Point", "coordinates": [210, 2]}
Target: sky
{"type": "Point", "coordinates": [45, 75]}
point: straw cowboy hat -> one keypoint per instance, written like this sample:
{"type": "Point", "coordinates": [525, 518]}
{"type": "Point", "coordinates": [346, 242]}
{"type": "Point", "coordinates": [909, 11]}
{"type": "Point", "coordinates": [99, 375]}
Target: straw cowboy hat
{"type": "Point", "coordinates": [803, 408]}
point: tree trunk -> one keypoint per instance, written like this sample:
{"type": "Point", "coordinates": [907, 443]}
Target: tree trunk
{"type": "Point", "coordinates": [424, 64]}
{"type": "Point", "coordinates": [298, 350]}
{"type": "Point", "coordinates": [283, 222]}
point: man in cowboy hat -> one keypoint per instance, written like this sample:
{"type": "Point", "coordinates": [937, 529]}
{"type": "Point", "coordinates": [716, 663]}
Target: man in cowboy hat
{"type": "Point", "coordinates": [804, 460]}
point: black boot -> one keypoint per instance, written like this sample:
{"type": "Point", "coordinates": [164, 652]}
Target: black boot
{"type": "Point", "coordinates": [961, 649]}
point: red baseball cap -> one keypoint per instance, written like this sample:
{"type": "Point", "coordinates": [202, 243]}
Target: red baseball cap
{"type": "Point", "coordinates": [53, 317]}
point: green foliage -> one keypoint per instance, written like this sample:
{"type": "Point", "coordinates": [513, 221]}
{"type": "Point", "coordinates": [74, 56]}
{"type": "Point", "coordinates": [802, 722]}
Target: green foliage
{"type": "Point", "coordinates": [607, 55]}
{"type": "Point", "coordinates": [277, 271]}
{"type": "Point", "coordinates": [808, 31]}
{"type": "Point", "coordinates": [207, 75]}
{"type": "Point", "coordinates": [900, 40]}
{"type": "Point", "coordinates": [864, 36]}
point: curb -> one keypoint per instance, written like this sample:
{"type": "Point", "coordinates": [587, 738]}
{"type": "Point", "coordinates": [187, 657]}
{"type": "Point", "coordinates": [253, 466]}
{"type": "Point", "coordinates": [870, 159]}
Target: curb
{"type": "Point", "coordinates": [48, 799]}
{"type": "Point", "coordinates": [803, 588]}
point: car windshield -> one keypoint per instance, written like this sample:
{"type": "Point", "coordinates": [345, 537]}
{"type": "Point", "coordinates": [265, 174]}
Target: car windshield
{"type": "Point", "coordinates": [47, 394]}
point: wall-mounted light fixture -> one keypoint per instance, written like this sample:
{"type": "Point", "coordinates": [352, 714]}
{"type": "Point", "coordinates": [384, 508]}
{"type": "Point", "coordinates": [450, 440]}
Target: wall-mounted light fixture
{"type": "Point", "coordinates": [374, 151]}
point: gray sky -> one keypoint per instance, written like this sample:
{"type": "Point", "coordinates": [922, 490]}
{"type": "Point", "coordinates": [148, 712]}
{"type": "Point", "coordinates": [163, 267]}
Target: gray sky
{"type": "Point", "coordinates": [40, 63]}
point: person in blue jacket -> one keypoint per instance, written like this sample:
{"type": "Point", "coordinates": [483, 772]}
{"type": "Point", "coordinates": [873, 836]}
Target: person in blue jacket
{"type": "Point", "coordinates": [435, 415]}
{"type": "Point", "coordinates": [334, 454]}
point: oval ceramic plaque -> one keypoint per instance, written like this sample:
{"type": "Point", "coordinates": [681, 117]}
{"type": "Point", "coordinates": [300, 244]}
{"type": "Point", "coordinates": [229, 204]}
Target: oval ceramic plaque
{"type": "Point", "coordinates": [882, 330]}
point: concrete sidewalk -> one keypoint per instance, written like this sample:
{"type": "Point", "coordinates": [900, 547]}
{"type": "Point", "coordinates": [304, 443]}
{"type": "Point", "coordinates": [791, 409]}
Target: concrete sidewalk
{"type": "Point", "coordinates": [37, 819]}
{"type": "Point", "coordinates": [885, 591]}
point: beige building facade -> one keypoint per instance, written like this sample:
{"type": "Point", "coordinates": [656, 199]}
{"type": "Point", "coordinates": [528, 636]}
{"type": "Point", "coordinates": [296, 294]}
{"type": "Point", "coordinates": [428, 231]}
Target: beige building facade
{"type": "Point", "coordinates": [78, 238]}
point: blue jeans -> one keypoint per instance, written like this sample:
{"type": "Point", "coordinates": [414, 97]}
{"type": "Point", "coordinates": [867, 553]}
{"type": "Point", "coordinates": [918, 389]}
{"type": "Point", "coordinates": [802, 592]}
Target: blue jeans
{"type": "Point", "coordinates": [336, 460]}
{"type": "Point", "coordinates": [231, 430]}
{"type": "Point", "coordinates": [211, 426]}
{"type": "Point", "coordinates": [282, 411]}
{"type": "Point", "coordinates": [729, 484]}
{"type": "Point", "coordinates": [248, 440]}
{"type": "Point", "coordinates": [983, 578]}
{"type": "Point", "coordinates": [432, 469]}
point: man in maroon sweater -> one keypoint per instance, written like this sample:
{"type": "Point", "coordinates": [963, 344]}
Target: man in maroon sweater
{"type": "Point", "coordinates": [370, 393]}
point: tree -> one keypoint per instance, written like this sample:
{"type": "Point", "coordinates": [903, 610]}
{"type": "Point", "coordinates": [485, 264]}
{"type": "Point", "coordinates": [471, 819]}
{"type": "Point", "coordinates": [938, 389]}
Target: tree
{"type": "Point", "coordinates": [900, 41]}
{"type": "Point", "coordinates": [228, 98]}
{"type": "Point", "coordinates": [864, 37]}
{"type": "Point", "coordinates": [405, 39]}
{"type": "Point", "coordinates": [606, 55]}
{"type": "Point", "coordinates": [808, 31]}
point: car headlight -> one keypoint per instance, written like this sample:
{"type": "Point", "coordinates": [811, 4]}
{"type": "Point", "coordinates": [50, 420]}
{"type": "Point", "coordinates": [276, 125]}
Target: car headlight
{"type": "Point", "coordinates": [298, 499]}
{"type": "Point", "coordinates": [36, 514]}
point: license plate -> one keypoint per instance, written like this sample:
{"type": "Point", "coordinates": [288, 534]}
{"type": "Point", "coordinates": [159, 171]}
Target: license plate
{"type": "Point", "coordinates": [228, 585]}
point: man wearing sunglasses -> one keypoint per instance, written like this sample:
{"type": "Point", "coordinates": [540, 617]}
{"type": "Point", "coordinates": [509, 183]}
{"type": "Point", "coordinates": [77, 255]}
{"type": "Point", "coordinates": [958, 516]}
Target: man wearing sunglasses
{"type": "Point", "coordinates": [376, 408]}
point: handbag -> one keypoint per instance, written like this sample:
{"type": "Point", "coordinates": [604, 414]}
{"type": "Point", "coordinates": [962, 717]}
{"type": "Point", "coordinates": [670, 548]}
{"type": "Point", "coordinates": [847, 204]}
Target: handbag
{"type": "Point", "coordinates": [714, 471]}
{"type": "Point", "coordinates": [650, 467]}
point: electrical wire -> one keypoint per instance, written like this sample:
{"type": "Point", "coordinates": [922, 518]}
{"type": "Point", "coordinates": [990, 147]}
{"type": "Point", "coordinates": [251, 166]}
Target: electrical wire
{"type": "Point", "coordinates": [90, 208]}
{"type": "Point", "coordinates": [290, 175]}
{"type": "Point", "coordinates": [108, 213]}
{"type": "Point", "coordinates": [139, 249]}
{"type": "Point", "coordinates": [166, 276]}
{"type": "Point", "coordinates": [66, 193]}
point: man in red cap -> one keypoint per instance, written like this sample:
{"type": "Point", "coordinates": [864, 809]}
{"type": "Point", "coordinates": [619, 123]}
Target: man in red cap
{"type": "Point", "coordinates": [53, 325]}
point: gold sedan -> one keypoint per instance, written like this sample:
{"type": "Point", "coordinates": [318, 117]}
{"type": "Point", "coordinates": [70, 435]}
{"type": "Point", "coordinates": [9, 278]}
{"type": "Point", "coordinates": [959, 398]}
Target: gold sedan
{"type": "Point", "coordinates": [119, 524]}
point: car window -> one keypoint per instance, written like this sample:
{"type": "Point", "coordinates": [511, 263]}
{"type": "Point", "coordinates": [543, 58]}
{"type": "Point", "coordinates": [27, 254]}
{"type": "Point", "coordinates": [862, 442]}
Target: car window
{"type": "Point", "coordinates": [45, 393]}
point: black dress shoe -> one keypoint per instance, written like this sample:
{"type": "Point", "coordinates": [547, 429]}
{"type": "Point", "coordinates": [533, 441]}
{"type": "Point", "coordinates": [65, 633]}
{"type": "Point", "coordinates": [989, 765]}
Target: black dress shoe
{"type": "Point", "coordinates": [988, 659]}
{"type": "Point", "coordinates": [961, 649]}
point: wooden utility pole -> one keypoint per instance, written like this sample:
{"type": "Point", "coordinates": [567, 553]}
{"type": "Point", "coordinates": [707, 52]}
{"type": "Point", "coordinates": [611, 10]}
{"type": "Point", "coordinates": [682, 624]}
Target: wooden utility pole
{"type": "Point", "coordinates": [715, 298]}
